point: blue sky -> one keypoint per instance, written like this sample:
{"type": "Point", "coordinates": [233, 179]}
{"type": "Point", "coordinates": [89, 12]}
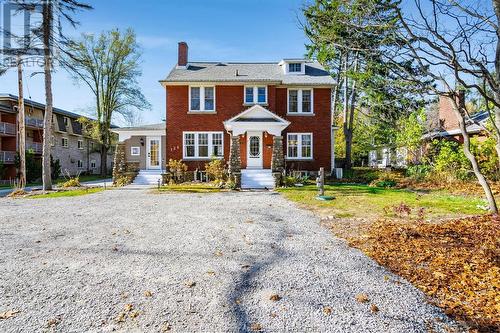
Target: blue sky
{"type": "Point", "coordinates": [226, 30]}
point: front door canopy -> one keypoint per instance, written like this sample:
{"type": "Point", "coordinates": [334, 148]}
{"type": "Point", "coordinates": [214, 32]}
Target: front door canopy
{"type": "Point", "coordinates": [255, 119]}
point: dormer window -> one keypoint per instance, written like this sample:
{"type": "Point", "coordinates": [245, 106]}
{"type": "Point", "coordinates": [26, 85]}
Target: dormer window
{"type": "Point", "coordinates": [295, 67]}
{"type": "Point", "coordinates": [255, 95]}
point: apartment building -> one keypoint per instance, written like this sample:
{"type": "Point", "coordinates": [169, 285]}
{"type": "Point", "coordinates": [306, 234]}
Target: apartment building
{"type": "Point", "coordinates": [77, 152]}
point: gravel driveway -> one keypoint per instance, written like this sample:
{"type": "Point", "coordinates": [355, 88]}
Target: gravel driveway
{"type": "Point", "coordinates": [133, 261]}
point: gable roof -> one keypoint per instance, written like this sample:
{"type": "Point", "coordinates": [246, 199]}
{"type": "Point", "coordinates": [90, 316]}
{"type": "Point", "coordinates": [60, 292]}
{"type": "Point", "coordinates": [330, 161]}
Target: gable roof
{"type": "Point", "coordinates": [315, 74]}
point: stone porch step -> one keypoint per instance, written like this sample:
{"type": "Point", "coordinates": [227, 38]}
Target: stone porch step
{"type": "Point", "coordinates": [257, 179]}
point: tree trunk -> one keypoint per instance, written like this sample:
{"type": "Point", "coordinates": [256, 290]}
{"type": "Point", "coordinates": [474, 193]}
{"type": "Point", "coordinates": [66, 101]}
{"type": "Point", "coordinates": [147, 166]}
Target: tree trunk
{"type": "Point", "coordinates": [104, 161]}
{"type": "Point", "coordinates": [336, 91]}
{"type": "Point", "coordinates": [460, 114]}
{"type": "Point", "coordinates": [47, 118]}
{"type": "Point", "coordinates": [349, 109]}
{"type": "Point", "coordinates": [22, 126]}
{"type": "Point", "coordinates": [496, 94]}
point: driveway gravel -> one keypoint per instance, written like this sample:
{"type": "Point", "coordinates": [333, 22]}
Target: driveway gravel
{"type": "Point", "coordinates": [135, 261]}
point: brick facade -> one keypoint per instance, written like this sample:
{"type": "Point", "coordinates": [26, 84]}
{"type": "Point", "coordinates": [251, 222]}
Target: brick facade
{"type": "Point", "coordinates": [229, 102]}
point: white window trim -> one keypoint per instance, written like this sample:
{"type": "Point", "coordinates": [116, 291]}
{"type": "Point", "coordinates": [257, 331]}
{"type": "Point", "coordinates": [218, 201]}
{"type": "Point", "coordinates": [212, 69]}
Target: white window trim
{"type": "Point", "coordinates": [202, 99]}
{"type": "Point", "coordinates": [132, 151]}
{"type": "Point", "coordinates": [80, 144]}
{"type": "Point", "coordinates": [196, 150]}
{"type": "Point", "coordinates": [80, 164]}
{"type": "Point", "coordinates": [299, 146]}
{"type": "Point", "coordinates": [67, 142]}
{"type": "Point", "coordinates": [299, 102]}
{"type": "Point", "coordinates": [255, 95]}
{"type": "Point", "coordinates": [93, 164]}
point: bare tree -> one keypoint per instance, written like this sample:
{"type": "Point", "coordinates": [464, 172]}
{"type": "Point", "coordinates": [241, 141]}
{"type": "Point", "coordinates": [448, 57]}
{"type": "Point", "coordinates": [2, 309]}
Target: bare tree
{"type": "Point", "coordinates": [22, 125]}
{"type": "Point", "coordinates": [444, 52]}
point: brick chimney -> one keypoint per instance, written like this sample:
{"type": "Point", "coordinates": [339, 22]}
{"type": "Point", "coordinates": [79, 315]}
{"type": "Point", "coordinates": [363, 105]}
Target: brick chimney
{"type": "Point", "coordinates": [447, 118]}
{"type": "Point", "coordinates": [182, 59]}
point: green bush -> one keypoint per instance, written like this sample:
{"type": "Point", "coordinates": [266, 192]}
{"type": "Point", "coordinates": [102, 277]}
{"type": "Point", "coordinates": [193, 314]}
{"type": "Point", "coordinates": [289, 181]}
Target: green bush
{"type": "Point", "coordinates": [487, 157]}
{"type": "Point", "coordinates": [450, 162]}
{"type": "Point", "coordinates": [385, 183]}
{"type": "Point", "coordinates": [419, 172]}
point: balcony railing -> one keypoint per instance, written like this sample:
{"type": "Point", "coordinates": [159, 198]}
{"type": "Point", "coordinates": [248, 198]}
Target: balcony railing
{"type": "Point", "coordinates": [34, 122]}
{"type": "Point", "coordinates": [7, 128]}
{"type": "Point", "coordinates": [36, 147]}
{"type": "Point", "coordinates": [8, 157]}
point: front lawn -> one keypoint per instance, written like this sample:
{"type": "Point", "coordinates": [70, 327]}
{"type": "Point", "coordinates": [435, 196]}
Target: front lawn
{"type": "Point", "coordinates": [68, 193]}
{"type": "Point", "coordinates": [352, 200]}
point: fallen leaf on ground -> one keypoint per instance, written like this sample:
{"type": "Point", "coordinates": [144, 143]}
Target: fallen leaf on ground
{"type": "Point", "coordinates": [327, 310]}
{"type": "Point", "coordinates": [275, 297]}
{"type": "Point", "coordinates": [134, 314]}
{"type": "Point", "coordinates": [374, 308]}
{"type": "Point", "coordinates": [8, 314]}
{"type": "Point", "coordinates": [362, 298]}
{"type": "Point", "coordinates": [273, 315]}
{"type": "Point", "coordinates": [121, 317]}
{"type": "Point", "coordinates": [53, 322]}
{"type": "Point", "coordinates": [219, 253]}
{"type": "Point", "coordinates": [248, 221]}
{"type": "Point", "coordinates": [190, 284]}
{"type": "Point", "coordinates": [256, 327]}
{"type": "Point", "coordinates": [128, 307]}
{"type": "Point", "coordinates": [166, 327]}
{"type": "Point", "coordinates": [237, 301]}
{"type": "Point", "coordinates": [147, 293]}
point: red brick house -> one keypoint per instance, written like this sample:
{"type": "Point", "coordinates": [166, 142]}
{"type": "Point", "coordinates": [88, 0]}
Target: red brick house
{"type": "Point", "coordinates": [261, 118]}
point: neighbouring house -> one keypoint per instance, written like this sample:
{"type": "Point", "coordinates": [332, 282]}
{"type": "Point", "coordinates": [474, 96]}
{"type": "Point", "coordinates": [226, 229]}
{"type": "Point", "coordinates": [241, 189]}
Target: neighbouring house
{"type": "Point", "coordinates": [443, 127]}
{"type": "Point", "coordinates": [447, 127]}
{"type": "Point", "coordinates": [77, 152]}
{"type": "Point", "coordinates": [262, 118]}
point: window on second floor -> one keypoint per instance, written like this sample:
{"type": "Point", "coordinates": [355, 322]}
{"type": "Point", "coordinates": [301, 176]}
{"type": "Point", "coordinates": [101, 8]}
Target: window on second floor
{"type": "Point", "coordinates": [80, 164]}
{"type": "Point", "coordinates": [300, 101]}
{"type": "Point", "coordinates": [80, 144]}
{"type": "Point", "coordinates": [294, 67]}
{"type": "Point", "coordinates": [64, 142]}
{"type": "Point", "coordinates": [201, 98]}
{"type": "Point", "coordinates": [255, 95]}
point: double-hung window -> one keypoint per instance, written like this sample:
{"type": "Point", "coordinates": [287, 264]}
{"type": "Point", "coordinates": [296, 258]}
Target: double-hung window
{"type": "Point", "coordinates": [201, 99]}
{"type": "Point", "coordinates": [80, 144]}
{"type": "Point", "coordinates": [299, 146]}
{"type": "Point", "coordinates": [64, 142]}
{"type": "Point", "coordinates": [300, 101]}
{"type": "Point", "coordinates": [255, 95]}
{"type": "Point", "coordinates": [203, 145]}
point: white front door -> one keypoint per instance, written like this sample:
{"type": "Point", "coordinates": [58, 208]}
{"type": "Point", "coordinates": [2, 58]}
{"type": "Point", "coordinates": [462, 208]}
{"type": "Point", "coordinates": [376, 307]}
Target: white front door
{"type": "Point", "coordinates": [254, 150]}
{"type": "Point", "coordinates": [153, 156]}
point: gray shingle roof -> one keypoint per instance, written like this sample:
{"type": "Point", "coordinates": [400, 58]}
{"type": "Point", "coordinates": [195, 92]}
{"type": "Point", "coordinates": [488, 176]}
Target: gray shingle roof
{"type": "Point", "coordinates": [151, 127]}
{"type": "Point", "coordinates": [315, 74]}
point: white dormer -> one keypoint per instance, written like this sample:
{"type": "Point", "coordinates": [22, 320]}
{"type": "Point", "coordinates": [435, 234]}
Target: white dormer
{"type": "Point", "coordinates": [293, 66]}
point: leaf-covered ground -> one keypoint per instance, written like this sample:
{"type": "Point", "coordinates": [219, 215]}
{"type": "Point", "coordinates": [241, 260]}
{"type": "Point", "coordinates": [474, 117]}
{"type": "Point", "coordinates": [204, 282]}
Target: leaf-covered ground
{"type": "Point", "coordinates": [455, 262]}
